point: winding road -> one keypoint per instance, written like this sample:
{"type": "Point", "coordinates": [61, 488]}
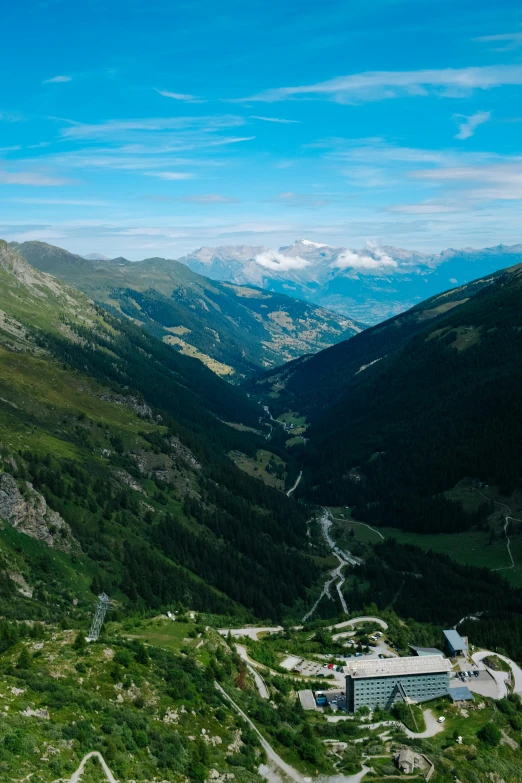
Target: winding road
{"type": "Point", "coordinates": [270, 752]}
{"type": "Point", "coordinates": [507, 518]}
{"type": "Point", "coordinates": [75, 777]}
{"type": "Point", "coordinates": [336, 575]}
{"type": "Point", "coordinates": [478, 658]}
{"type": "Point", "coordinates": [293, 489]}
{"type": "Point", "coordinates": [260, 683]}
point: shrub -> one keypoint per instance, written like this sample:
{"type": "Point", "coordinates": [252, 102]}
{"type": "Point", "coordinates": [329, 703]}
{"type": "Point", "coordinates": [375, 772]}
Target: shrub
{"type": "Point", "coordinates": [490, 735]}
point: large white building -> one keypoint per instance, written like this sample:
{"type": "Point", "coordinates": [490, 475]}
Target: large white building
{"type": "Point", "coordinates": [383, 682]}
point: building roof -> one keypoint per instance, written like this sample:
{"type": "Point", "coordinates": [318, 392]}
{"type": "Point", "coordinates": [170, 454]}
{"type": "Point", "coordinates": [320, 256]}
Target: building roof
{"type": "Point", "coordinates": [455, 639]}
{"type": "Point", "coordinates": [393, 667]}
{"type": "Point", "coordinates": [461, 694]}
{"type": "Point", "coordinates": [307, 700]}
{"type": "Point", "coordinates": [406, 756]}
{"type": "Point", "coordinates": [426, 650]}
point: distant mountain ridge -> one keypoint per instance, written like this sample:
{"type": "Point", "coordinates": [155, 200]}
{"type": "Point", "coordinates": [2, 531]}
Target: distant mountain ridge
{"type": "Point", "coordinates": [233, 330]}
{"type": "Point", "coordinates": [370, 285]}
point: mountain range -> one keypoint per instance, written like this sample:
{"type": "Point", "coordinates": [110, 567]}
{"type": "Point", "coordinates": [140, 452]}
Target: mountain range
{"type": "Point", "coordinates": [235, 330]}
{"type": "Point", "coordinates": [368, 285]}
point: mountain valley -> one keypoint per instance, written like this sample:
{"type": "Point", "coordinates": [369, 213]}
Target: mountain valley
{"type": "Point", "coordinates": [130, 468]}
{"type": "Point", "coordinates": [234, 330]}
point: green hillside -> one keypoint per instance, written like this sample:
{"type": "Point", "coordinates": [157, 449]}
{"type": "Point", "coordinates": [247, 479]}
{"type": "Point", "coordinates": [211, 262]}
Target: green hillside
{"type": "Point", "coordinates": [402, 413]}
{"type": "Point", "coordinates": [114, 471]}
{"type": "Point", "coordinates": [234, 330]}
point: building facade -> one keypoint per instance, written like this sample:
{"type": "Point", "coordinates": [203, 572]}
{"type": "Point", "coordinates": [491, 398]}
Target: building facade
{"type": "Point", "coordinates": [382, 683]}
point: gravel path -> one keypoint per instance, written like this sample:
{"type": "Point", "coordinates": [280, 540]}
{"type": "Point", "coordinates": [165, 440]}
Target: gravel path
{"type": "Point", "coordinates": [75, 777]}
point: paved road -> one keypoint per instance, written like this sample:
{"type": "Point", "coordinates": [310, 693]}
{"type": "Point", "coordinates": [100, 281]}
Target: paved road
{"type": "Point", "coordinates": [344, 558]}
{"type": "Point", "coordinates": [364, 619]}
{"type": "Point", "coordinates": [293, 489]}
{"type": "Point", "coordinates": [270, 752]}
{"type": "Point", "coordinates": [260, 683]}
{"type": "Point", "coordinates": [507, 517]}
{"type": "Point", "coordinates": [432, 726]}
{"type": "Point", "coordinates": [515, 669]}
{"type": "Point", "coordinates": [250, 631]}
{"type": "Point", "coordinates": [75, 777]}
{"type": "Point", "coordinates": [278, 761]}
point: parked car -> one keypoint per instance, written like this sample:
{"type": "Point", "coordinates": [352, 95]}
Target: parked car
{"type": "Point", "coordinates": [330, 665]}
{"type": "Point", "coordinates": [441, 719]}
{"type": "Point", "coordinates": [476, 672]}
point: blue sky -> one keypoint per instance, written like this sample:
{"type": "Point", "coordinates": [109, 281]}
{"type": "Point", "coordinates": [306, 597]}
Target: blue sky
{"type": "Point", "coordinates": [151, 128]}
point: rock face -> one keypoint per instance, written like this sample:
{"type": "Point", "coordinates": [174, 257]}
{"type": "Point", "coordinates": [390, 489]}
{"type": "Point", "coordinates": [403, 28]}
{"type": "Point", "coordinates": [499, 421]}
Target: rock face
{"type": "Point", "coordinates": [27, 511]}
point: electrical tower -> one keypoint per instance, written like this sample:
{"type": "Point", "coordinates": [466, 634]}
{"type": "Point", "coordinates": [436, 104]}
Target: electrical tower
{"type": "Point", "coordinates": [99, 616]}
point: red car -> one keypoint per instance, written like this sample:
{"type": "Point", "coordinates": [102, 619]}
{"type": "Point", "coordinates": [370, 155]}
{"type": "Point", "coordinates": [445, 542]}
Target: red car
{"type": "Point", "coordinates": [330, 665]}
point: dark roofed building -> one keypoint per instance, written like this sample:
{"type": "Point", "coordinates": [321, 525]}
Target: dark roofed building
{"type": "Point", "coordinates": [455, 643]}
{"type": "Point", "coordinates": [426, 651]}
{"type": "Point", "coordinates": [460, 694]}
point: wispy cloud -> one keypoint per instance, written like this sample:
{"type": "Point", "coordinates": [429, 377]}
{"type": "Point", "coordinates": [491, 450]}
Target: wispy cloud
{"type": "Point", "coordinates": [381, 85]}
{"type": "Point", "coordinates": [67, 202]}
{"type": "Point", "coordinates": [507, 41]}
{"type": "Point", "coordinates": [501, 181]}
{"type": "Point", "coordinates": [171, 175]}
{"type": "Point", "coordinates": [468, 125]}
{"type": "Point", "coordinates": [123, 129]}
{"type": "Point", "coordinates": [180, 96]}
{"type": "Point", "coordinates": [57, 80]}
{"type": "Point", "coordinates": [302, 200]}
{"type": "Point", "coordinates": [422, 209]}
{"type": "Point", "coordinates": [209, 198]}
{"type": "Point", "coordinates": [279, 120]}
{"type": "Point", "coordinates": [31, 178]}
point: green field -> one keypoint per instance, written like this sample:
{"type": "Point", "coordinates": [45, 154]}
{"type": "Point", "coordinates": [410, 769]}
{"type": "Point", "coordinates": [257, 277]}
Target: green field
{"type": "Point", "coordinates": [161, 632]}
{"type": "Point", "coordinates": [472, 547]}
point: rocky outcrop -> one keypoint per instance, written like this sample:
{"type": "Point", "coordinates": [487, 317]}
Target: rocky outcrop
{"type": "Point", "coordinates": [26, 510]}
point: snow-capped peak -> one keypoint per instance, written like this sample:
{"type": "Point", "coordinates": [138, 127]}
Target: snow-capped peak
{"type": "Point", "coordinates": [310, 243]}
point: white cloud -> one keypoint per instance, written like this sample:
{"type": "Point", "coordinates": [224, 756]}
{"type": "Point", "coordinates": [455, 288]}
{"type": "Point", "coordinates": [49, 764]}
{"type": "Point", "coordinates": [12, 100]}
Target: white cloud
{"type": "Point", "coordinates": [488, 181]}
{"type": "Point", "coordinates": [57, 80]}
{"type": "Point", "coordinates": [380, 85]}
{"type": "Point", "coordinates": [372, 259]}
{"type": "Point", "coordinates": [179, 96]}
{"type": "Point", "coordinates": [277, 262]}
{"type": "Point", "coordinates": [122, 129]}
{"type": "Point", "coordinates": [469, 124]}
{"type": "Point", "coordinates": [30, 178]}
{"type": "Point", "coordinates": [171, 175]}
{"type": "Point", "coordinates": [274, 119]}
{"type": "Point", "coordinates": [509, 41]}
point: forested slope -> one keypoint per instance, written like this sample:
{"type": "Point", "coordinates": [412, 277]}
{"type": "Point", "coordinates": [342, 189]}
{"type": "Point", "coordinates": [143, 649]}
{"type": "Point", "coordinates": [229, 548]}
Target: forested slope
{"type": "Point", "coordinates": [401, 413]}
{"type": "Point", "coordinates": [113, 468]}
{"type": "Point", "coordinates": [234, 330]}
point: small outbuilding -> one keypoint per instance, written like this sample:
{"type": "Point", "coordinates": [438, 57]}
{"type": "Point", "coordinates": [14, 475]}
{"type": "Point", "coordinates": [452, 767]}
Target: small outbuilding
{"type": "Point", "coordinates": [455, 643]}
{"type": "Point", "coordinates": [307, 700]}
{"type": "Point", "coordinates": [406, 760]}
{"type": "Point", "coordinates": [460, 694]}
